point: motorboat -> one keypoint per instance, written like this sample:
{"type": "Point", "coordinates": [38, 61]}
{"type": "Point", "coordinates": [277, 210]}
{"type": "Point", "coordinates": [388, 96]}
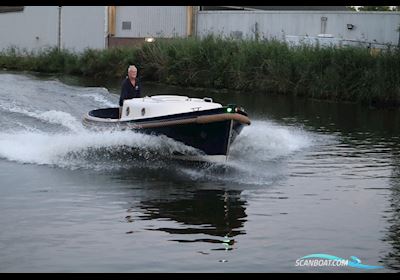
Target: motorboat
{"type": "Point", "coordinates": [197, 122]}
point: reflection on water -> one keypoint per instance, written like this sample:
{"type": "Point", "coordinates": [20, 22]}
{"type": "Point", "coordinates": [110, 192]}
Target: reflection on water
{"type": "Point", "coordinates": [189, 210]}
{"type": "Point", "coordinates": [205, 212]}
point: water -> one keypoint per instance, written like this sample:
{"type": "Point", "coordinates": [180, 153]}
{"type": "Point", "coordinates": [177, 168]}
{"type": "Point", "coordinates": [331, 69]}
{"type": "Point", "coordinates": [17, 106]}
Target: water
{"type": "Point", "coordinates": [306, 177]}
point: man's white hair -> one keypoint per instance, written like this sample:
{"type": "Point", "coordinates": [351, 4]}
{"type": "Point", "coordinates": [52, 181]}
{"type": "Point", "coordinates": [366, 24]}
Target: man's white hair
{"type": "Point", "coordinates": [132, 67]}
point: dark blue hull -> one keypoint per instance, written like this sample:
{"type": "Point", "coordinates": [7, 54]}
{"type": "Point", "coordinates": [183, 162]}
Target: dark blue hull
{"type": "Point", "coordinates": [211, 138]}
{"type": "Point", "coordinates": [211, 132]}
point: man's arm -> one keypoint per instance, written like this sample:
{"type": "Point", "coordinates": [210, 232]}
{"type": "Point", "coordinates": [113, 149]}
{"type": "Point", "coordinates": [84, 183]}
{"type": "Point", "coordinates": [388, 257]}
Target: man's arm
{"type": "Point", "coordinates": [124, 94]}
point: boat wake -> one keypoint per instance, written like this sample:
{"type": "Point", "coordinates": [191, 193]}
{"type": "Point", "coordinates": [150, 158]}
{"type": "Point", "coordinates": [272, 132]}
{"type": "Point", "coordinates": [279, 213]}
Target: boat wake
{"type": "Point", "coordinates": [257, 156]}
{"type": "Point", "coordinates": [88, 149]}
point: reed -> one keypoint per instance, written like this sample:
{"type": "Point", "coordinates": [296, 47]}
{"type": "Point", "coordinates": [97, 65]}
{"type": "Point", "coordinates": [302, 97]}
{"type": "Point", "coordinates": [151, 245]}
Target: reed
{"type": "Point", "coordinates": [343, 74]}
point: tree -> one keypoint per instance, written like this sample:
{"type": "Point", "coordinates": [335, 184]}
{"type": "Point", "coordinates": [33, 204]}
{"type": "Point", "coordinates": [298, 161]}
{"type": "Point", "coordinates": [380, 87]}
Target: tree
{"type": "Point", "coordinates": [375, 8]}
{"type": "Point", "coordinates": [352, 8]}
{"type": "Point", "coordinates": [396, 8]}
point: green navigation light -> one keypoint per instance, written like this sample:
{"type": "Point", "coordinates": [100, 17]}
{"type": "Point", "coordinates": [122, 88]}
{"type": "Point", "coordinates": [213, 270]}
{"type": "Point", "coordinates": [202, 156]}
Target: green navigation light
{"type": "Point", "coordinates": [229, 110]}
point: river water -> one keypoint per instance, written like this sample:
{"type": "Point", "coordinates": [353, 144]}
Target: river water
{"type": "Point", "coordinates": [306, 177]}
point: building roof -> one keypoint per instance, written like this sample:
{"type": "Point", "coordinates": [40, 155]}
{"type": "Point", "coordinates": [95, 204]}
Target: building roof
{"type": "Point", "coordinates": [8, 9]}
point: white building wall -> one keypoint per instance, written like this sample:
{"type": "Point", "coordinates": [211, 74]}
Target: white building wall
{"type": "Point", "coordinates": [34, 28]}
{"type": "Point", "coordinates": [37, 27]}
{"type": "Point", "coordinates": [151, 21]}
{"type": "Point", "coordinates": [82, 27]}
{"type": "Point", "coordinates": [368, 26]}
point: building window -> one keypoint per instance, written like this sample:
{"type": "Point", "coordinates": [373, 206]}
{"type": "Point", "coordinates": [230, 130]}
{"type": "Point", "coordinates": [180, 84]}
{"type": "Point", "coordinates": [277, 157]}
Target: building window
{"type": "Point", "coordinates": [126, 25]}
{"type": "Point", "coordinates": [11, 9]}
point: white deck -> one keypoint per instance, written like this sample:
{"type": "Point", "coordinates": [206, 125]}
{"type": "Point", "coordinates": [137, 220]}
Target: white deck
{"type": "Point", "coordinates": [164, 105]}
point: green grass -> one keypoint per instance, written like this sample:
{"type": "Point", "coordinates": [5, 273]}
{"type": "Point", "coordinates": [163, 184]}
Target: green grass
{"type": "Point", "coordinates": [343, 74]}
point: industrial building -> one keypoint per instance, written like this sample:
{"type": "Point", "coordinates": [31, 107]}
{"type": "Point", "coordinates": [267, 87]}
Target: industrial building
{"type": "Point", "coordinates": [79, 27]}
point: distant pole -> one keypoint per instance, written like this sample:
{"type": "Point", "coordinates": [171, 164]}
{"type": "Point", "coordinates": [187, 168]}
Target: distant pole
{"type": "Point", "coordinates": [195, 11]}
{"type": "Point", "coordinates": [398, 30]}
{"type": "Point", "coordinates": [189, 20]}
{"type": "Point", "coordinates": [59, 28]}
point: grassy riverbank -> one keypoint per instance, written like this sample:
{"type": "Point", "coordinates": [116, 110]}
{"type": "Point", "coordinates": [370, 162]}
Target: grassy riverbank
{"type": "Point", "coordinates": [344, 74]}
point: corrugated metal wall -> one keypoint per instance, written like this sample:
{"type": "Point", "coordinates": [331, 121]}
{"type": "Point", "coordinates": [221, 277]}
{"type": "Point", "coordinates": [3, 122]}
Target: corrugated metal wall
{"type": "Point", "coordinates": [154, 21]}
{"type": "Point", "coordinates": [83, 27]}
{"type": "Point", "coordinates": [36, 27]}
{"type": "Point", "coordinates": [276, 24]}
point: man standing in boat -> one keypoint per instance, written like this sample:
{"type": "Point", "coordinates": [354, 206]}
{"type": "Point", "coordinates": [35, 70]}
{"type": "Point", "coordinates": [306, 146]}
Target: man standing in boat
{"type": "Point", "coordinates": [130, 87]}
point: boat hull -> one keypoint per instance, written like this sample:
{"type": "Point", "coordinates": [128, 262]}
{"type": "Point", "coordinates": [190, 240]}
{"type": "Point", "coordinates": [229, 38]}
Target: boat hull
{"type": "Point", "coordinates": [211, 138]}
{"type": "Point", "coordinates": [212, 132]}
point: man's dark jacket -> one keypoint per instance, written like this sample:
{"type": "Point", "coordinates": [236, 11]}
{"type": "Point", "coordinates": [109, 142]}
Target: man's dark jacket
{"type": "Point", "coordinates": [128, 91]}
